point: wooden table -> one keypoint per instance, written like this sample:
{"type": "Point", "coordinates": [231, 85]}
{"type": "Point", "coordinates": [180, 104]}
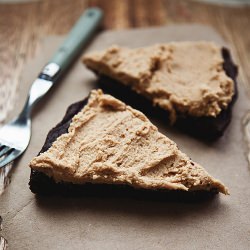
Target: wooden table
{"type": "Point", "coordinates": [23, 24]}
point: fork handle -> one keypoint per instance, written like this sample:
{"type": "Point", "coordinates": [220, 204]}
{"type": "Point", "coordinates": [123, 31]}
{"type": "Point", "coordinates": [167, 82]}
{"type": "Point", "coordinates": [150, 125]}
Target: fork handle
{"type": "Point", "coordinates": [59, 63]}
{"type": "Point", "coordinates": [73, 44]}
{"type": "Point", "coordinates": [77, 38]}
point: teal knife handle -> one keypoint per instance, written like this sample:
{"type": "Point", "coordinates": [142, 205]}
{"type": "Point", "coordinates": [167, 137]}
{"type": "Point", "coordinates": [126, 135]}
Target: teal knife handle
{"type": "Point", "coordinates": [77, 38]}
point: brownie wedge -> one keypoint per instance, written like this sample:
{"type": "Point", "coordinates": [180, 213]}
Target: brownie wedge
{"type": "Point", "coordinates": [195, 93]}
{"type": "Point", "coordinates": [105, 147]}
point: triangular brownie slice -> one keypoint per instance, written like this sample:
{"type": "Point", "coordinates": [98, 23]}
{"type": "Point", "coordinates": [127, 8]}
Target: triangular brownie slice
{"type": "Point", "coordinates": [193, 81]}
{"type": "Point", "coordinates": [108, 142]}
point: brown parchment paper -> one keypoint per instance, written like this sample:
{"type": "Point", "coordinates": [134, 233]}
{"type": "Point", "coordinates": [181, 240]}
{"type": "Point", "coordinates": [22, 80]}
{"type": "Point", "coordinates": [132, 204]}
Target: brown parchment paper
{"type": "Point", "coordinates": [31, 222]}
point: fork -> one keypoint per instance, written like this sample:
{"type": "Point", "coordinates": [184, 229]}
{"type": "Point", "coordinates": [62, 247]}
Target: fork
{"type": "Point", "coordinates": [15, 136]}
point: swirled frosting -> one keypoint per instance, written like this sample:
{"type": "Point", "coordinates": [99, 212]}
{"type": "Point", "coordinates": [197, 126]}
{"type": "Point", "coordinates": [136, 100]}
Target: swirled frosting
{"type": "Point", "coordinates": [109, 142]}
{"type": "Point", "coordinates": [184, 78]}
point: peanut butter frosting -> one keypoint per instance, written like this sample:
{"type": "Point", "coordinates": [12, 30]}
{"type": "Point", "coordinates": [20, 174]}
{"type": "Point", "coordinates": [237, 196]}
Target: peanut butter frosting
{"type": "Point", "coordinates": [184, 78]}
{"type": "Point", "coordinates": [112, 143]}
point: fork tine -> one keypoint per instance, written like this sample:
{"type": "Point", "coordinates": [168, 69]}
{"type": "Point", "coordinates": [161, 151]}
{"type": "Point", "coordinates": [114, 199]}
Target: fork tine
{"type": "Point", "coordinates": [4, 150]}
{"type": "Point", "coordinates": [12, 156]}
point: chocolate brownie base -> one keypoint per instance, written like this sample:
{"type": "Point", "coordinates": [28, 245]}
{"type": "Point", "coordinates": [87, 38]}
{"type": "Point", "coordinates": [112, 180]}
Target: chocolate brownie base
{"type": "Point", "coordinates": [42, 184]}
{"type": "Point", "coordinates": [207, 128]}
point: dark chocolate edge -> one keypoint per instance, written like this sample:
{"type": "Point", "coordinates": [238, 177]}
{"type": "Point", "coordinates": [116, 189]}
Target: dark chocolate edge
{"type": "Point", "coordinates": [205, 128]}
{"type": "Point", "coordinates": [42, 184]}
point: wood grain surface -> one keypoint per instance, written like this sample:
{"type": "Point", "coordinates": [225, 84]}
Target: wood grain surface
{"type": "Point", "coordinates": [22, 25]}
